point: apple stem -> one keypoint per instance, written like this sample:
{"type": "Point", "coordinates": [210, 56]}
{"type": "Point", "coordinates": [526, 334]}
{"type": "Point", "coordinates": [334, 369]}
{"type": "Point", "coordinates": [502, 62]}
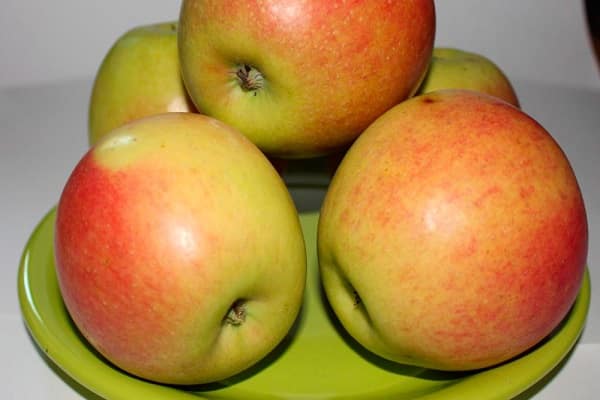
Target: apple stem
{"type": "Point", "coordinates": [237, 313]}
{"type": "Point", "coordinates": [249, 78]}
{"type": "Point", "coordinates": [357, 299]}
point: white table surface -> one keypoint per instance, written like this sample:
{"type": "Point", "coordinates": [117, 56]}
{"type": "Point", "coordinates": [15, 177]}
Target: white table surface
{"type": "Point", "coordinates": [43, 135]}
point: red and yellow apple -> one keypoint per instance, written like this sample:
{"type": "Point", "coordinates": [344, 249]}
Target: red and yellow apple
{"type": "Point", "coordinates": [179, 251]}
{"type": "Point", "coordinates": [139, 76]}
{"type": "Point", "coordinates": [303, 78]}
{"type": "Point", "coordinates": [452, 68]}
{"type": "Point", "coordinates": [453, 235]}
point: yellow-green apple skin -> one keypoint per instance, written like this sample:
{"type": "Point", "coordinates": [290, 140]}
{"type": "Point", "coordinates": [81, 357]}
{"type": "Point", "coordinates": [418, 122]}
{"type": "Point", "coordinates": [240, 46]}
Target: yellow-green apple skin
{"type": "Point", "coordinates": [453, 235]}
{"type": "Point", "coordinates": [303, 78]}
{"type": "Point", "coordinates": [139, 76]}
{"type": "Point", "coordinates": [452, 68]}
{"type": "Point", "coordinates": [179, 251]}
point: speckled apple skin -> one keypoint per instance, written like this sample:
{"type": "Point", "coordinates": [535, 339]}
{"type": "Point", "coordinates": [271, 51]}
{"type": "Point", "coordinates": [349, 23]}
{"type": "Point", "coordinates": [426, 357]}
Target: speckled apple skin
{"type": "Point", "coordinates": [454, 233]}
{"type": "Point", "coordinates": [330, 67]}
{"type": "Point", "coordinates": [452, 68]}
{"type": "Point", "coordinates": [163, 226]}
{"type": "Point", "coordinates": [139, 76]}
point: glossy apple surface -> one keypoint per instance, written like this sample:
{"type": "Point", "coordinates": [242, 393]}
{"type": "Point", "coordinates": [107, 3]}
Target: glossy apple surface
{"type": "Point", "coordinates": [138, 77]}
{"type": "Point", "coordinates": [454, 234]}
{"type": "Point", "coordinates": [303, 78]}
{"type": "Point", "coordinates": [452, 68]}
{"type": "Point", "coordinates": [179, 251]}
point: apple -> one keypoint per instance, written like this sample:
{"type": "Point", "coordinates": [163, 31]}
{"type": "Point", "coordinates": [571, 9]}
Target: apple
{"type": "Point", "coordinates": [453, 235]}
{"type": "Point", "coordinates": [139, 76]}
{"type": "Point", "coordinates": [303, 78]}
{"type": "Point", "coordinates": [179, 251]}
{"type": "Point", "coordinates": [452, 68]}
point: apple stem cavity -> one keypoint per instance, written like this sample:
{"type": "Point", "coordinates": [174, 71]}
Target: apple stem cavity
{"type": "Point", "coordinates": [236, 314]}
{"type": "Point", "coordinates": [249, 78]}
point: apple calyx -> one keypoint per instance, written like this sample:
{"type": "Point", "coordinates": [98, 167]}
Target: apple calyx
{"type": "Point", "coordinates": [236, 314]}
{"type": "Point", "coordinates": [249, 78]}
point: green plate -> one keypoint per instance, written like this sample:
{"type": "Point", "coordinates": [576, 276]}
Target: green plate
{"type": "Point", "coordinates": [316, 361]}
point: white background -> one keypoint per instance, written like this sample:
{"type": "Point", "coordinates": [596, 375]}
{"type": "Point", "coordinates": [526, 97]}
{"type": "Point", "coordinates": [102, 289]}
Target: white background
{"type": "Point", "coordinates": [535, 40]}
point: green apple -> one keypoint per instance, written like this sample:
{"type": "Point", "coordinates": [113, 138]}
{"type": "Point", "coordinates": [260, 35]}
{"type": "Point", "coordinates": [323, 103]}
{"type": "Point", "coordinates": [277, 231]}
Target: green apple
{"type": "Point", "coordinates": [452, 68]}
{"type": "Point", "coordinates": [139, 76]}
{"type": "Point", "coordinates": [453, 235]}
{"type": "Point", "coordinates": [179, 251]}
{"type": "Point", "coordinates": [303, 78]}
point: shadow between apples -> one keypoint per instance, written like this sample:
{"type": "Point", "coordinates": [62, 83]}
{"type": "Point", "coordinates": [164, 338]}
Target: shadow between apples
{"type": "Point", "coordinates": [307, 198]}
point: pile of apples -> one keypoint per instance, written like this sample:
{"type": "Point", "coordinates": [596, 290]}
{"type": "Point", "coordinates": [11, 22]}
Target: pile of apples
{"type": "Point", "coordinates": [453, 234]}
